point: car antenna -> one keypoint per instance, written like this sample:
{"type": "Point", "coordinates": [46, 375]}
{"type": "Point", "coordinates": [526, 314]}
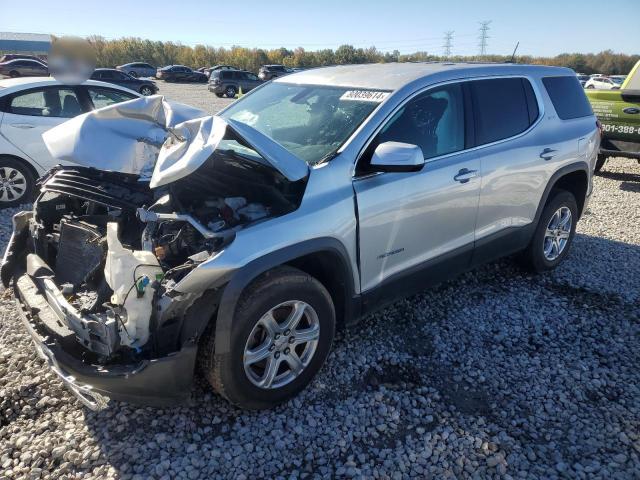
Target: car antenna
{"type": "Point", "coordinates": [513, 55]}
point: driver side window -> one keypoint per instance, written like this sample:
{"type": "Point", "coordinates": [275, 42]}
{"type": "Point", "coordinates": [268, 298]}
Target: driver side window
{"type": "Point", "coordinates": [434, 121]}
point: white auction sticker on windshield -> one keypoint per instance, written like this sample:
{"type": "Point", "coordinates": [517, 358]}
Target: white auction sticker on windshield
{"type": "Point", "coordinates": [364, 95]}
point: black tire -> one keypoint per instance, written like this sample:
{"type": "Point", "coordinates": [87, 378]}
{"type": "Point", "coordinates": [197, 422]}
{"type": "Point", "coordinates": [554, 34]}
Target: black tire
{"type": "Point", "coordinates": [590, 86]}
{"type": "Point", "coordinates": [533, 257]}
{"type": "Point", "coordinates": [26, 187]}
{"type": "Point", "coordinates": [600, 162]}
{"type": "Point", "coordinates": [14, 74]}
{"type": "Point", "coordinates": [146, 90]}
{"type": "Point", "coordinates": [219, 95]}
{"type": "Point", "coordinates": [226, 373]}
{"type": "Point", "coordinates": [230, 91]}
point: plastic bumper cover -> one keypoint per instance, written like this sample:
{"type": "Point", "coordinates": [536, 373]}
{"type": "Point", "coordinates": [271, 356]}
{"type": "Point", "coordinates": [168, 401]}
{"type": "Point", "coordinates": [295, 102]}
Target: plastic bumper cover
{"type": "Point", "coordinates": [159, 382]}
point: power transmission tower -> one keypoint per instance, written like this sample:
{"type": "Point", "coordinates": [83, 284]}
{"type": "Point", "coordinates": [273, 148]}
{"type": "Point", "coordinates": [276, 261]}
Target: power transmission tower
{"type": "Point", "coordinates": [448, 38]}
{"type": "Point", "coordinates": [483, 37]}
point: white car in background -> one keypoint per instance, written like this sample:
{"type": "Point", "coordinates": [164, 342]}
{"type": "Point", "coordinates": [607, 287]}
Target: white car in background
{"type": "Point", "coordinates": [601, 83]}
{"type": "Point", "coordinates": [28, 108]}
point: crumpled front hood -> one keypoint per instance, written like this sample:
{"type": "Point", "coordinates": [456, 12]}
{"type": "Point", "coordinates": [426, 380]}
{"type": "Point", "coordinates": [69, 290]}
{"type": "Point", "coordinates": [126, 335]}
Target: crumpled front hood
{"type": "Point", "coordinates": [157, 139]}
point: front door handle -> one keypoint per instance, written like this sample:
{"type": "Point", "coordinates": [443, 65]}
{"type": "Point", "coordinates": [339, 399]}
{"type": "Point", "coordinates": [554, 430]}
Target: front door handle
{"type": "Point", "coordinates": [546, 154]}
{"type": "Point", "coordinates": [464, 175]}
{"type": "Point", "coordinates": [22, 125]}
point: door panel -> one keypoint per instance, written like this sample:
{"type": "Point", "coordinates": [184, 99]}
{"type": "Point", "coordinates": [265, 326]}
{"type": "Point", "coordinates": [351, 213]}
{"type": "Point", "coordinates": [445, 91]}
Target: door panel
{"type": "Point", "coordinates": [25, 132]}
{"type": "Point", "coordinates": [407, 219]}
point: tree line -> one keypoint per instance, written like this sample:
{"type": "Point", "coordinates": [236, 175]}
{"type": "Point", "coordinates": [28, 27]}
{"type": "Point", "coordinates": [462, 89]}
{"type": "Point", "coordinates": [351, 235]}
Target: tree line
{"type": "Point", "coordinates": [110, 53]}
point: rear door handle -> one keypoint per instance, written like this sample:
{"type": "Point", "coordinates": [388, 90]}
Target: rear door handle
{"type": "Point", "coordinates": [546, 154]}
{"type": "Point", "coordinates": [22, 125]}
{"type": "Point", "coordinates": [464, 175]}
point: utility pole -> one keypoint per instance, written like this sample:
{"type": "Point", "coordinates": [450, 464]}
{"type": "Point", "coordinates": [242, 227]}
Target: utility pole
{"type": "Point", "coordinates": [448, 38]}
{"type": "Point", "coordinates": [483, 37]}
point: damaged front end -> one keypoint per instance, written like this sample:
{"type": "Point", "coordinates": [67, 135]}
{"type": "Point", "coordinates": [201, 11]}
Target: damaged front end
{"type": "Point", "coordinates": [96, 263]}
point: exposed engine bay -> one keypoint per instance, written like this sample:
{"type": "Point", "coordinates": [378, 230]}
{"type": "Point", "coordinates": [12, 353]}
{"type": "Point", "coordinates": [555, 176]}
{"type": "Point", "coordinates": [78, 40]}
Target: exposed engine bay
{"type": "Point", "coordinates": [118, 247]}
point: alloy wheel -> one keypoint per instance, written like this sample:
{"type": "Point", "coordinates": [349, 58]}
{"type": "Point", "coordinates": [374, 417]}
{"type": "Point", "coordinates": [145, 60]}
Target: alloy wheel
{"type": "Point", "coordinates": [557, 234]}
{"type": "Point", "coordinates": [146, 91]}
{"type": "Point", "coordinates": [13, 184]}
{"type": "Point", "coordinates": [281, 344]}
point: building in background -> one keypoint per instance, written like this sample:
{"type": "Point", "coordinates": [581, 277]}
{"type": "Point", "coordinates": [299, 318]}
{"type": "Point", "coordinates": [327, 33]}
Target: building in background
{"type": "Point", "coordinates": [36, 44]}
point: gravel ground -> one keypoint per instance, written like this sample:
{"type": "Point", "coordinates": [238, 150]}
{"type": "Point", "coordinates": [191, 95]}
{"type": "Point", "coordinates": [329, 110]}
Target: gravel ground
{"type": "Point", "coordinates": [195, 94]}
{"type": "Point", "coordinates": [498, 374]}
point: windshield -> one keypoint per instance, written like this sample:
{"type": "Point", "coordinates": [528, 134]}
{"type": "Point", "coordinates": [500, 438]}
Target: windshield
{"type": "Point", "coordinates": [310, 121]}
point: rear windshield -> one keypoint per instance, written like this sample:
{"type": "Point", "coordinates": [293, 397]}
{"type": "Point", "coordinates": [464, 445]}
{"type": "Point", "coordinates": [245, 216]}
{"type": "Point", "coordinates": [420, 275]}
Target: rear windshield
{"type": "Point", "coordinates": [568, 97]}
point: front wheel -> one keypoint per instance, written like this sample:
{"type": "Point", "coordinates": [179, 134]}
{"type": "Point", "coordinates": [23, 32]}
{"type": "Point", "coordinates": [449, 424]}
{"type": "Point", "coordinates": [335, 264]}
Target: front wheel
{"type": "Point", "coordinates": [17, 183]}
{"type": "Point", "coordinates": [281, 335]}
{"type": "Point", "coordinates": [146, 91]}
{"type": "Point", "coordinates": [554, 234]}
{"type": "Point", "coordinates": [590, 86]}
{"type": "Point", "coordinates": [14, 74]}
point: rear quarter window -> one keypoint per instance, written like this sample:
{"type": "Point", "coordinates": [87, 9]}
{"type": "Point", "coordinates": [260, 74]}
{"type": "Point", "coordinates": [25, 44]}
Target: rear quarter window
{"type": "Point", "coordinates": [568, 97]}
{"type": "Point", "coordinates": [503, 108]}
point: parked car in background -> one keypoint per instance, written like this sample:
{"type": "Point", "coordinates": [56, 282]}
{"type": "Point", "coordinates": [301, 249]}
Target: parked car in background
{"type": "Point", "coordinates": [208, 71]}
{"type": "Point", "coordinates": [179, 73]}
{"type": "Point", "coordinates": [618, 79]}
{"type": "Point", "coordinates": [601, 83]}
{"type": "Point", "coordinates": [267, 72]}
{"type": "Point", "coordinates": [299, 208]}
{"type": "Point", "coordinates": [583, 79]}
{"type": "Point", "coordinates": [618, 111]}
{"type": "Point", "coordinates": [15, 56]}
{"type": "Point", "coordinates": [138, 69]}
{"type": "Point", "coordinates": [28, 108]}
{"type": "Point", "coordinates": [24, 68]}
{"type": "Point", "coordinates": [229, 82]}
{"type": "Point", "coordinates": [111, 75]}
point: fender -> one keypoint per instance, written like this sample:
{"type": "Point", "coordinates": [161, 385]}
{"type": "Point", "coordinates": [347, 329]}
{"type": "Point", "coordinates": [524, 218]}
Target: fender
{"type": "Point", "coordinates": [572, 167]}
{"type": "Point", "coordinates": [245, 275]}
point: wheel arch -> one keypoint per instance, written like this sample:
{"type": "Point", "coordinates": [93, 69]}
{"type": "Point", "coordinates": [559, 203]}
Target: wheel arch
{"type": "Point", "coordinates": [573, 178]}
{"type": "Point", "coordinates": [26, 163]}
{"type": "Point", "coordinates": [326, 259]}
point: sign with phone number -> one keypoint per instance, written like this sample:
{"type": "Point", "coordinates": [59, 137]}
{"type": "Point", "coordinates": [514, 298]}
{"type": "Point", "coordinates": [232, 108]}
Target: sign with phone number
{"type": "Point", "coordinates": [629, 129]}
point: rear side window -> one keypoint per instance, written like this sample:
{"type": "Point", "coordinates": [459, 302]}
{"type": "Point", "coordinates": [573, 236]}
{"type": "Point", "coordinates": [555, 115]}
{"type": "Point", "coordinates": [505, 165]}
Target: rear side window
{"type": "Point", "coordinates": [48, 102]}
{"type": "Point", "coordinates": [503, 107]}
{"type": "Point", "coordinates": [568, 97]}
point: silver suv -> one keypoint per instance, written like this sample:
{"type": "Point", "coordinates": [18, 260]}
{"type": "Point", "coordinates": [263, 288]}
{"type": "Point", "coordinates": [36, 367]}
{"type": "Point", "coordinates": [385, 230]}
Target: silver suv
{"type": "Point", "coordinates": [247, 238]}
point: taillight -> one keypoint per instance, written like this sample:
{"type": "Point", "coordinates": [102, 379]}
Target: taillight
{"type": "Point", "coordinates": [599, 125]}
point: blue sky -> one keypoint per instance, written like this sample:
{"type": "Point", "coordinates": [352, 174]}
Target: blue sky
{"type": "Point", "coordinates": [543, 27]}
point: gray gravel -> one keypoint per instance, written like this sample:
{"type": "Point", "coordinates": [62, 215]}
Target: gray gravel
{"type": "Point", "coordinates": [498, 374]}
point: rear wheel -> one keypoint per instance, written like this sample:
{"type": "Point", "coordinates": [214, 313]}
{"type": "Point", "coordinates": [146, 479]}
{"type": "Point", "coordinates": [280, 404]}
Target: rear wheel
{"type": "Point", "coordinates": [230, 91]}
{"type": "Point", "coordinates": [281, 335]}
{"type": "Point", "coordinates": [600, 162]}
{"type": "Point", "coordinates": [17, 182]}
{"type": "Point", "coordinates": [146, 90]}
{"type": "Point", "coordinates": [554, 233]}
{"type": "Point", "coordinates": [14, 74]}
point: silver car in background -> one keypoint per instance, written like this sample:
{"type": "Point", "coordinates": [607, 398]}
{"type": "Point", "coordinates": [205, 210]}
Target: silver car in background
{"type": "Point", "coordinates": [138, 69]}
{"type": "Point", "coordinates": [249, 237]}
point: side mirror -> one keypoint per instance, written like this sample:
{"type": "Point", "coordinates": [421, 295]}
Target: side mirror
{"type": "Point", "coordinates": [397, 157]}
